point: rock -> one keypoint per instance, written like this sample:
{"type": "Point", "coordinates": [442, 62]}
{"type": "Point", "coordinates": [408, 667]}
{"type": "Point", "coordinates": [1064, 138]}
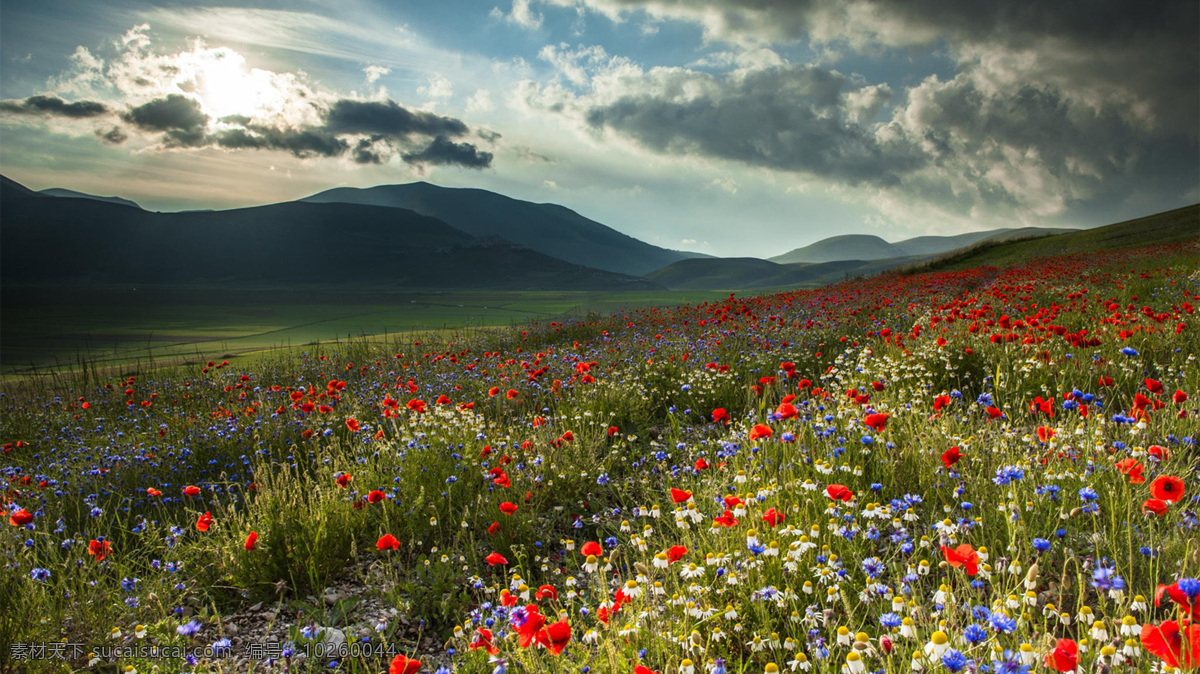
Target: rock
{"type": "Point", "coordinates": [231, 629]}
{"type": "Point", "coordinates": [257, 607]}
{"type": "Point", "coordinates": [332, 640]}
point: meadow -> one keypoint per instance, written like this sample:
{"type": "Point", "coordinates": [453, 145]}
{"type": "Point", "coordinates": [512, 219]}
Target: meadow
{"type": "Point", "coordinates": [981, 469]}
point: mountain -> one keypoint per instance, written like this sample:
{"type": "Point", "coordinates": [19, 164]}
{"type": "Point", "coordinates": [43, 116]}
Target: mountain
{"type": "Point", "coordinates": [845, 247]}
{"type": "Point", "coordinates": [868, 247]}
{"type": "Point", "coordinates": [752, 273]}
{"type": "Point", "coordinates": [72, 194]}
{"type": "Point", "coordinates": [548, 228]}
{"type": "Point", "coordinates": [56, 240]}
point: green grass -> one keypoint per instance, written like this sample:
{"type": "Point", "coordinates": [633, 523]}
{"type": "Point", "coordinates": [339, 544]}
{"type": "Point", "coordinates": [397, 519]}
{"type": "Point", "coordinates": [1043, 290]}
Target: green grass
{"type": "Point", "coordinates": [47, 329]}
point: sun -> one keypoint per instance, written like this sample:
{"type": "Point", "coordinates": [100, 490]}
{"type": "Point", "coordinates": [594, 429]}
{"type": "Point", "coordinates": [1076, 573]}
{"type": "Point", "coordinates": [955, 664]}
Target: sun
{"type": "Point", "coordinates": [220, 81]}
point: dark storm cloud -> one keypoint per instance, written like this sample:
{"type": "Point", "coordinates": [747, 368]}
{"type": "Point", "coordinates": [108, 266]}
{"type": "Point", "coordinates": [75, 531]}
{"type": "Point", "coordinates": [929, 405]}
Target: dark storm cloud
{"type": "Point", "coordinates": [303, 143]}
{"type": "Point", "coordinates": [114, 136]}
{"type": "Point", "coordinates": [53, 105]}
{"type": "Point", "coordinates": [179, 117]}
{"type": "Point", "coordinates": [443, 151]}
{"type": "Point", "coordinates": [791, 118]}
{"type": "Point", "coordinates": [388, 118]}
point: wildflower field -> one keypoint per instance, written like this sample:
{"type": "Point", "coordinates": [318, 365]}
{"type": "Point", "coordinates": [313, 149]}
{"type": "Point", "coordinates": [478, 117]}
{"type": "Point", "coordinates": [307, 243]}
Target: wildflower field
{"type": "Point", "coordinates": [962, 471]}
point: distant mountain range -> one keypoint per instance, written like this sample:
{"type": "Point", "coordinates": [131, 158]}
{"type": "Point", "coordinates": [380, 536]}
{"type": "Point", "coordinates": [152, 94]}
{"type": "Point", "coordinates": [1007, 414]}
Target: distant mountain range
{"type": "Point", "coordinates": [547, 228]}
{"type": "Point", "coordinates": [415, 235]}
{"type": "Point", "coordinates": [72, 194]}
{"type": "Point", "coordinates": [868, 247]}
{"type": "Point", "coordinates": [50, 239]}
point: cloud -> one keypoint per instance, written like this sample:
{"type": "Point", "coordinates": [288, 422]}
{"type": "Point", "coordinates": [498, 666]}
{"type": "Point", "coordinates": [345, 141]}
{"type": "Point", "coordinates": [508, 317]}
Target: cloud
{"type": "Point", "coordinates": [373, 73]}
{"type": "Point", "coordinates": [54, 106]}
{"type": "Point", "coordinates": [179, 116]}
{"type": "Point", "coordinates": [520, 15]}
{"type": "Point", "coordinates": [388, 118]}
{"type": "Point", "coordinates": [208, 97]}
{"type": "Point", "coordinates": [443, 151]}
{"type": "Point", "coordinates": [796, 118]}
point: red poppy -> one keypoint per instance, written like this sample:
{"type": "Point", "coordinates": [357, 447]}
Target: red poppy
{"type": "Point", "coordinates": [191, 490]}
{"type": "Point", "coordinates": [964, 556]}
{"type": "Point", "coordinates": [951, 456]}
{"type": "Point", "coordinates": [994, 412]}
{"type": "Point", "coordinates": [1153, 386]}
{"type": "Point", "coordinates": [642, 669]}
{"type": "Point", "coordinates": [1175, 647]}
{"type": "Point", "coordinates": [839, 492]}
{"type": "Point", "coordinates": [773, 517]}
{"type": "Point", "coordinates": [416, 405]}
{"type": "Point", "coordinates": [1044, 433]}
{"type": "Point", "coordinates": [353, 425]}
{"type": "Point", "coordinates": [1167, 487]}
{"type": "Point", "coordinates": [676, 553]}
{"type": "Point", "coordinates": [940, 402]}
{"type": "Point", "coordinates": [1190, 604]}
{"type": "Point", "coordinates": [375, 496]}
{"type": "Point", "coordinates": [613, 430]}
{"type": "Point", "coordinates": [701, 464]}
{"type": "Point", "coordinates": [546, 592]}
{"type": "Point", "coordinates": [877, 421]}
{"type": "Point", "coordinates": [786, 411]}
{"type": "Point", "coordinates": [760, 431]}
{"type": "Point", "coordinates": [1179, 397]}
{"type": "Point", "coordinates": [877, 385]}
{"type": "Point", "coordinates": [528, 630]}
{"type": "Point", "coordinates": [484, 640]}
{"type": "Point", "coordinates": [591, 548]}
{"type": "Point", "coordinates": [719, 415]}
{"type": "Point", "coordinates": [20, 518]}
{"type": "Point", "coordinates": [555, 637]}
{"type": "Point", "coordinates": [100, 549]}
{"type": "Point", "coordinates": [344, 479]}
{"type": "Point", "coordinates": [251, 541]}
{"type": "Point", "coordinates": [1156, 506]}
{"type": "Point", "coordinates": [204, 522]}
{"type": "Point", "coordinates": [1158, 452]}
{"type": "Point", "coordinates": [495, 527]}
{"type": "Point", "coordinates": [511, 393]}
{"type": "Point", "coordinates": [387, 542]}
{"type": "Point", "coordinates": [1064, 657]}
{"type": "Point", "coordinates": [680, 495]}
{"type": "Point", "coordinates": [508, 507]}
{"type": "Point", "coordinates": [726, 520]}
{"type": "Point", "coordinates": [403, 665]}
{"type": "Point", "coordinates": [1133, 468]}
{"type": "Point", "coordinates": [153, 492]}
{"type": "Point", "coordinates": [495, 558]}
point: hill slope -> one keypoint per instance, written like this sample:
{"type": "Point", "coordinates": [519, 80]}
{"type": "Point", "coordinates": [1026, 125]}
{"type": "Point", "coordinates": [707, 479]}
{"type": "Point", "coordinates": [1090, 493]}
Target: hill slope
{"type": "Point", "coordinates": [72, 194]}
{"type": "Point", "coordinates": [548, 228]}
{"type": "Point", "coordinates": [1172, 226]}
{"type": "Point", "coordinates": [752, 273]}
{"type": "Point", "coordinates": [57, 240]}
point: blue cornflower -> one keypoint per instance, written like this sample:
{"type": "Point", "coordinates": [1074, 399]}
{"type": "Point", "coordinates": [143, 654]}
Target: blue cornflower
{"type": "Point", "coordinates": [1088, 494]}
{"type": "Point", "coordinates": [890, 620]}
{"type": "Point", "coordinates": [1011, 664]}
{"type": "Point", "coordinates": [873, 567]}
{"type": "Point", "coordinates": [40, 574]}
{"type": "Point", "coordinates": [1002, 623]}
{"type": "Point", "coordinates": [954, 660]}
{"type": "Point", "coordinates": [1106, 578]}
{"type": "Point", "coordinates": [975, 634]}
{"type": "Point", "coordinates": [1190, 587]}
{"type": "Point", "coordinates": [189, 629]}
{"type": "Point", "coordinates": [1129, 351]}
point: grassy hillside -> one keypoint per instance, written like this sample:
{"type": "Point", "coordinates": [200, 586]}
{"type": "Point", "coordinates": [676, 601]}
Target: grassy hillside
{"type": "Point", "coordinates": [1173, 226]}
{"type": "Point", "coordinates": [756, 274]}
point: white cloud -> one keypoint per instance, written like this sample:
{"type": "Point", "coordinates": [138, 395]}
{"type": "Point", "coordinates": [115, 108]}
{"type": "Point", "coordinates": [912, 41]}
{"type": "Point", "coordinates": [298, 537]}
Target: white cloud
{"type": "Point", "coordinates": [521, 15]}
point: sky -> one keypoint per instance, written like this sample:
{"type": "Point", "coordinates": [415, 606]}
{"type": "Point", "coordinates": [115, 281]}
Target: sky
{"type": "Point", "coordinates": [729, 127]}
